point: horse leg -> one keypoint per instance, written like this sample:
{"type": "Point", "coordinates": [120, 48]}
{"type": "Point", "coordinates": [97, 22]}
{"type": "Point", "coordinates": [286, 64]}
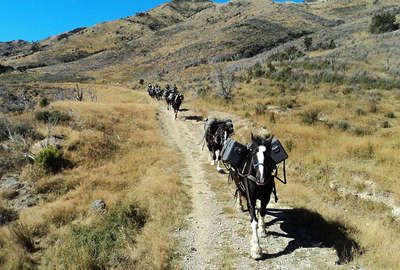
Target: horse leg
{"type": "Point", "coordinates": [263, 211]}
{"type": "Point", "coordinates": [239, 202]}
{"type": "Point", "coordinates": [255, 249]}
{"type": "Point", "coordinates": [213, 158]}
{"type": "Point", "coordinates": [218, 154]}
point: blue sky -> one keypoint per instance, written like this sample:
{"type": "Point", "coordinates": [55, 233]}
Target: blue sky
{"type": "Point", "coordinates": [34, 20]}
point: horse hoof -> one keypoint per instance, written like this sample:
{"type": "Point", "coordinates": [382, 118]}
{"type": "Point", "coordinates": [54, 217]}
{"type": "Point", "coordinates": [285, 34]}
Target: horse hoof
{"type": "Point", "coordinates": [212, 162]}
{"type": "Point", "coordinates": [256, 255]}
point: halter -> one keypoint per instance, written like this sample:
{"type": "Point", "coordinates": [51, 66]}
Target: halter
{"type": "Point", "coordinates": [255, 165]}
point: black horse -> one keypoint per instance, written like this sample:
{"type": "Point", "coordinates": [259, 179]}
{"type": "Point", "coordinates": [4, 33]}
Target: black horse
{"type": "Point", "coordinates": [176, 103]}
{"type": "Point", "coordinates": [255, 181]}
{"type": "Point", "coordinates": [215, 136]}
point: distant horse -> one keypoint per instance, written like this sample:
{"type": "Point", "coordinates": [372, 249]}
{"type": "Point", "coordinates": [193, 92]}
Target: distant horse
{"type": "Point", "coordinates": [176, 103]}
{"type": "Point", "coordinates": [169, 98]}
{"type": "Point", "coordinates": [215, 137]}
{"type": "Point", "coordinates": [256, 181]}
{"type": "Point", "coordinates": [159, 94]}
{"type": "Point", "coordinates": [151, 91]}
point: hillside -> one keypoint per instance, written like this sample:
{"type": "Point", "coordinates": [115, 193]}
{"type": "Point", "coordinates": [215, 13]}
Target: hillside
{"type": "Point", "coordinates": [334, 103]}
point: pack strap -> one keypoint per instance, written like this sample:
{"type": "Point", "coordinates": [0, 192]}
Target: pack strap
{"type": "Point", "coordinates": [284, 181]}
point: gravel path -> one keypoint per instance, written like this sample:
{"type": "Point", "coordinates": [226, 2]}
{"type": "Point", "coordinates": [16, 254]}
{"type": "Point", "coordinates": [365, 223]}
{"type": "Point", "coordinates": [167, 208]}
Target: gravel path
{"type": "Point", "coordinates": [217, 235]}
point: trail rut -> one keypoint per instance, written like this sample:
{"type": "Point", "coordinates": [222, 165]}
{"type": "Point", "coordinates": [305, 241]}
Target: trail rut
{"type": "Point", "coordinates": [216, 235]}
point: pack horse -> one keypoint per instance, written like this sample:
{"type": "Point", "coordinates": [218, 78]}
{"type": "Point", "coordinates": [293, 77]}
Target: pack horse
{"type": "Point", "coordinates": [216, 132]}
{"type": "Point", "coordinates": [254, 169]}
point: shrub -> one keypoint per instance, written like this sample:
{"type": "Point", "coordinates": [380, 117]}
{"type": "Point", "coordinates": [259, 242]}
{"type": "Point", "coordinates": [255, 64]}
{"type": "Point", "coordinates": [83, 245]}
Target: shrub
{"type": "Point", "coordinates": [343, 125]}
{"type": "Point", "coordinates": [390, 115]}
{"type": "Point", "coordinates": [44, 102]}
{"type": "Point", "coordinates": [258, 71]}
{"type": "Point", "coordinates": [289, 145]}
{"type": "Point", "coordinates": [385, 124]}
{"type": "Point", "coordinates": [310, 117]}
{"type": "Point", "coordinates": [272, 118]}
{"type": "Point", "coordinates": [359, 112]}
{"type": "Point", "coordinates": [56, 116]}
{"type": "Point", "coordinates": [24, 130]}
{"type": "Point", "coordinates": [50, 159]}
{"type": "Point", "coordinates": [259, 109]}
{"type": "Point", "coordinates": [141, 81]}
{"type": "Point", "coordinates": [308, 43]}
{"type": "Point", "coordinates": [384, 22]}
{"type": "Point", "coordinates": [24, 236]}
{"type": "Point", "coordinates": [362, 131]}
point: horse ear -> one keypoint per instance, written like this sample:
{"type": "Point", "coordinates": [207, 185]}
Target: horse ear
{"type": "Point", "coordinates": [252, 136]}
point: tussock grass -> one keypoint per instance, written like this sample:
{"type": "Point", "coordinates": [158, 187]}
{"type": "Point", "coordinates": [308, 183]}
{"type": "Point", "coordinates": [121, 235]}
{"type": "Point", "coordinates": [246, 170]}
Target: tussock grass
{"type": "Point", "coordinates": [119, 156]}
{"type": "Point", "coordinates": [336, 136]}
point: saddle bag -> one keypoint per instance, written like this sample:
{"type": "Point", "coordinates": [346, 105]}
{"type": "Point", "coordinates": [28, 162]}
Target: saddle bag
{"type": "Point", "coordinates": [278, 153]}
{"type": "Point", "coordinates": [234, 153]}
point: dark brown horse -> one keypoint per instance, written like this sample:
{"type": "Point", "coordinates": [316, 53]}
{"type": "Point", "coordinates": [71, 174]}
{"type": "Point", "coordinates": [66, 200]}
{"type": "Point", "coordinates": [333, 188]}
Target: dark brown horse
{"type": "Point", "coordinates": [215, 137]}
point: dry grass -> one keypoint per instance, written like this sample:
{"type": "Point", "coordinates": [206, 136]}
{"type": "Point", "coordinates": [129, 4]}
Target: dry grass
{"type": "Point", "coordinates": [119, 157]}
{"type": "Point", "coordinates": [332, 151]}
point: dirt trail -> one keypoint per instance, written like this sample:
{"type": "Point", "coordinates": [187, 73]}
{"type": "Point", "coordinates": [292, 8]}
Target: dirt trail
{"type": "Point", "coordinates": [217, 235]}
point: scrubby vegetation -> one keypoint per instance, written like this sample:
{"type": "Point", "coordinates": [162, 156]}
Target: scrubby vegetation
{"type": "Point", "coordinates": [50, 159]}
{"type": "Point", "coordinates": [134, 230]}
{"type": "Point", "coordinates": [384, 22]}
{"type": "Point", "coordinates": [324, 77]}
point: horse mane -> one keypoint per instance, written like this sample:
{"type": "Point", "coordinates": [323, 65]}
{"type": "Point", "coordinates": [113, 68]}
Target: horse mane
{"type": "Point", "coordinates": [257, 140]}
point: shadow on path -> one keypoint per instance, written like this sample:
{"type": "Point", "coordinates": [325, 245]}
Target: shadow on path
{"type": "Point", "coordinates": [308, 229]}
{"type": "Point", "coordinates": [196, 118]}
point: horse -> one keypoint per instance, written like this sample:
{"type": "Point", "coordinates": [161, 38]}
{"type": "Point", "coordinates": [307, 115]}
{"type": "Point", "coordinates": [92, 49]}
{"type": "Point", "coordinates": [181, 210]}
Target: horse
{"type": "Point", "coordinates": [151, 91]}
{"type": "Point", "coordinates": [255, 181]}
{"type": "Point", "coordinates": [169, 98]}
{"type": "Point", "coordinates": [176, 103]}
{"type": "Point", "coordinates": [159, 94]}
{"type": "Point", "coordinates": [215, 137]}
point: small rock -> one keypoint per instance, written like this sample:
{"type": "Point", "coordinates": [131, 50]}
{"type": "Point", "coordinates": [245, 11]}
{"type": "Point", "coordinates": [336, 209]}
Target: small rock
{"type": "Point", "coordinates": [98, 206]}
{"type": "Point", "coordinates": [11, 182]}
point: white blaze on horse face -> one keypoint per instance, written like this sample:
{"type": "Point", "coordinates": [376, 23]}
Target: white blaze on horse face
{"type": "Point", "coordinates": [225, 136]}
{"type": "Point", "coordinates": [260, 157]}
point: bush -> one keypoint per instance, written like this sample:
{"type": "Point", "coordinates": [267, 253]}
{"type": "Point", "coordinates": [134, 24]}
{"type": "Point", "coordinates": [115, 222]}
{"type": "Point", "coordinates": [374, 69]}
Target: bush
{"type": "Point", "coordinates": [141, 81]}
{"type": "Point", "coordinates": [102, 245]}
{"type": "Point", "coordinates": [50, 159]}
{"type": "Point", "coordinates": [24, 236]}
{"type": "Point", "coordinates": [343, 125]}
{"type": "Point", "coordinates": [310, 117]}
{"type": "Point", "coordinates": [384, 22]}
{"type": "Point", "coordinates": [56, 116]}
{"type": "Point", "coordinates": [24, 130]}
{"type": "Point", "coordinates": [359, 112]}
{"type": "Point", "coordinates": [390, 115]}
{"type": "Point", "coordinates": [259, 109]}
{"type": "Point", "coordinates": [289, 145]}
{"type": "Point", "coordinates": [385, 124]}
{"type": "Point", "coordinates": [272, 118]}
{"type": "Point", "coordinates": [44, 102]}
{"type": "Point", "coordinates": [308, 43]}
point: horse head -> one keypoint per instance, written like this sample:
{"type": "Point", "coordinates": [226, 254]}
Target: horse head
{"type": "Point", "coordinates": [261, 165]}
